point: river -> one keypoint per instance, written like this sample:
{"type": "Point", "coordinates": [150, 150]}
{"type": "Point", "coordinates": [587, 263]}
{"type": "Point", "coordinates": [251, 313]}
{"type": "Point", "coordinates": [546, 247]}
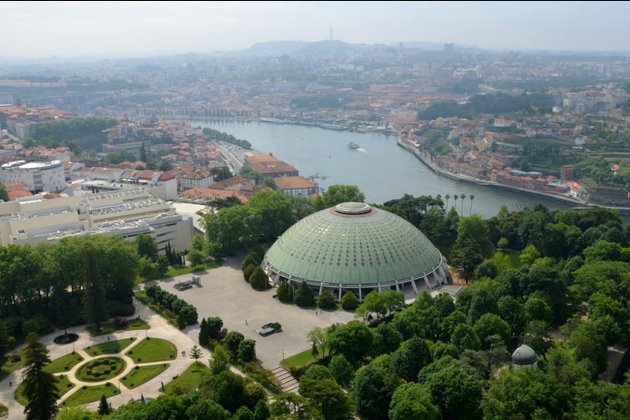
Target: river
{"type": "Point", "coordinates": [381, 169]}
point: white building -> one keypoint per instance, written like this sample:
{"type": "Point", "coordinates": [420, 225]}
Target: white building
{"type": "Point", "coordinates": [128, 213]}
{"type": "Point", "coordinates": [39, 176]}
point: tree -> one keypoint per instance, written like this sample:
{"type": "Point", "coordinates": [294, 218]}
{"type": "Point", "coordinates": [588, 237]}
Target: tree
{"type": "Point", "coordinates": [328, 397]}
{"type": "Point", "coordinates": [196, 252]}
{"type": "Point", "coordinates": [318, 336]}
{"type": "Point", "coordinates": [247, 350]}
{"type": "Point", "coordinates": [454, 390]}
{"type": "Point", "coordinates": [195, 353]}
{"type": "Point", "coordinates": [261, 411]}
{"type": "Point", "coordinates": [226, 388]}
{"type": "Point", "coordinates": [214, 325]}
{"type": "Point", "coordinates": [275, 210]}
{"type": "Point", "coordinates": [207, 409]}
{"type": "Point", "coordinates": [353, 340]}
{"type": "Point", "coordinates": [103, 407]}
{"type": "Point", "coordinates": [94, 297]}
{"type": "Point", "coordinates": [220, 360]}
{"type": "Point", "coordinates": [349, 301]}
{"type": "Point", "coordinates": [259, 280]}
{"type": "Point", "coordinates": [326, 300]}
{"type": "Point", "coordinates": [304, 296]}
{"type": "Point", "coordinates": [336, 194]}
{"type": "Point", "coordinates": [243, 413]}
{"type": "Point", "coordinates": [412, 401]}
{"type": "Point", "coordinates": [341, 369]}
{"type": "Point", "coordinates": [40, 388]}
{"type": "Point", "coordinates": [146, 247]}
{"type": "Point", "coordinates": [232, 341]}
{"type": "Point", "coordinates": [491, 324]}
{"type": "Point", "coordinates": [372, 390]}
{"type": "Point", "coordinates": [293, 407]}
{"type": "Point", "coordinates": [464, 337]}
{"type": "Point", "coordinates": [467, 254]}
{"type": "Point", "coordinates": [251, 259]}
{"type": "Point", "coordinates": [412, 356]}
{"type": "Point", "coordinates": [203, 333]}
{"type": "Point", "coordinates": [4, 195]}
{"type": "Point", "coordinates": [381, 303]}
{"type": "Point", "coordinates": [76, 413]}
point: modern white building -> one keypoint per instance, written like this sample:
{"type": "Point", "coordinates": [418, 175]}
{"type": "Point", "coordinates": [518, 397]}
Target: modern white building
{"type": "Point", "coordinates": [127, 212]}
{"type": "Point", "coordinates": [38, 176]}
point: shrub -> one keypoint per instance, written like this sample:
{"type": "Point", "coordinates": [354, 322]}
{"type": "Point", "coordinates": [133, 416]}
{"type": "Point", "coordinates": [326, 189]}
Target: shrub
{"type": "Point", "coordinates": [251, 259]}
{"type": "Point", "coordinates": [326, 300]}
{"type": "Point", "coordinates": [232, 341]}
{"type": "Point", "coordinates": [120, 322]}
{"type": "Point", "coordinates": [285, 292]}
{"type": "Point", "coordinates": [15, 357]}
{"type": "Point", "coordinates": [258, 279]}
{"type": "Point", "coordinates": [304, 296]}
{"type": "Point", "coordinates": [247, 350]}
{"type": "Point", "coordinates": [214, 325]}
{"type": "Point", "coordinates": [349, 301]}
{"type": "Point", "coordinates": [247, 272]}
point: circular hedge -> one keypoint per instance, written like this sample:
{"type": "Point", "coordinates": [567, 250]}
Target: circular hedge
{"type": "Point", "coordinates": [98, 370]}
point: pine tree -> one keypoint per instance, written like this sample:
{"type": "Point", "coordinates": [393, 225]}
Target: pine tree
{"type": "Point", "coordinates": [40, 387]}
{"type": "Point", "coordinates": [284, 292]}
{"type": "Point", "coordinates": [304, 296]}
{"type": "Point", "coordinates": [103, 407]}
{"type": "Point", "coordinates": [203, 333]}
{"type": "Point", "coordinates": [195, 353]}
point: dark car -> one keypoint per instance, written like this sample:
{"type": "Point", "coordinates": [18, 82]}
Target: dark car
{"type": "Point", "coordinates": [269, 329]}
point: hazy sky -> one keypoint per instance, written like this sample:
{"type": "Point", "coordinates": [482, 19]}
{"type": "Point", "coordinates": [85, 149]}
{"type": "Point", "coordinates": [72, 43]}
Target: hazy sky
{"type": "Point", "coordinates": [44, 29]}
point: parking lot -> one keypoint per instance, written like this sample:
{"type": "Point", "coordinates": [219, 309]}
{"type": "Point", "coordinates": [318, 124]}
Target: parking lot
{"type": "Point", "coordinates": [224, 293]}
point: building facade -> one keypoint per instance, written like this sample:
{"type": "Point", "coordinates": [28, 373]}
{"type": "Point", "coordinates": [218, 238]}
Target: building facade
{"type": "Point", "coordinates": [38, 176]}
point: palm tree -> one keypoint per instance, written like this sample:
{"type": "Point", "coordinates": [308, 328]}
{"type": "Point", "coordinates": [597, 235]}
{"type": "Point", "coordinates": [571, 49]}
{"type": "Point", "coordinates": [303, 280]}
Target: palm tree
{"type": "Point", "coordinates": [462, 196]}
{"type": "Point", "coordinates": [447, 197]}
{"type": "Point", "coordinates": [455, 197]}
{"type": "Point", "coordinates": [438, 198]}
{"type": "Point", "coordinates": [472, 197]}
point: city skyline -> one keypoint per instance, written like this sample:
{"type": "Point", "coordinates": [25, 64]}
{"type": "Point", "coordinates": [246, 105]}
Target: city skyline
{"type": "Point", "coordinates": [90, 29]}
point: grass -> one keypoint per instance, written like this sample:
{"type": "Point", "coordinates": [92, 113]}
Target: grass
{"type": "Point", "coordinates": [101, 369]}
{"type": "Point", "coordinates": [9, 366]}
{"type": "Point", "coordinates": [110, 328]}
{"type": "Point", "coordinates": [153, 350]}
{"type": "Point", "coordinates": [63, 385]}
{"type": "Point", "coordinates": [142, 374]}
{"type": "Point", "coordinates": [189, 380]}
{"type": "Point", "coordinates": [64, 363]}
{"type": "Point", "coordinates": [88, 394]}
{"type": "Point", "coordinates": [300, 360]}
{"type": "Point", "coordinates": [111, 347]}
{"type": "Point", "coordinates": [178, 271]}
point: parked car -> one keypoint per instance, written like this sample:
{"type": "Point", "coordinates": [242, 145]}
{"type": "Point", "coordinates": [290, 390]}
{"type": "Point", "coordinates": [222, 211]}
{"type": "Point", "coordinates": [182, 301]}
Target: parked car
{"type": "Point", "coordinates": [270, 328]}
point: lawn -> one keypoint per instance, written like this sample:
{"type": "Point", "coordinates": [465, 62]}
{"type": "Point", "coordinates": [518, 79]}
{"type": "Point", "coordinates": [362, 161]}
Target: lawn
{"type": "Point", "coordinates": [300, 360]}
{"type": "Point", "coordinates": [153, 350]}
{"type": "Point", "coordinates": [111, 347]}
{"type": "Point", "coordinates": [88, 394]}
{"type": "Point", "coordinates": [9, 366]}
{"type": "Point", "coordinates": [142, 374]}
{"type": "Point", "coordinates": [63, 386]}
{"type": "Point", "coordinates": [189, 380]}
{"type": "Point", "coordinates": [110, 328]}
{"type": "Point", "coordinates": [99, 370]}
{"type": "Point", "coordinates": [64, 363]}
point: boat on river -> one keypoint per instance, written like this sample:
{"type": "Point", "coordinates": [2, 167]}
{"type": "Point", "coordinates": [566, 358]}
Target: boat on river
{"type": "Point", "coordinates": [353, 145]}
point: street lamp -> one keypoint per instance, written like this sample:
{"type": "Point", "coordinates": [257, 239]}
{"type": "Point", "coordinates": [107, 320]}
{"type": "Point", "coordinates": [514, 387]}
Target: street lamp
{"type": "Point", "coordinates": [283, 353]}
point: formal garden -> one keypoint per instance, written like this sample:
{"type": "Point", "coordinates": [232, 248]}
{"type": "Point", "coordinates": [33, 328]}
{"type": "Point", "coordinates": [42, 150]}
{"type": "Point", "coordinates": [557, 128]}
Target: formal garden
{"type": "Point", "coordinates": [106, 367]}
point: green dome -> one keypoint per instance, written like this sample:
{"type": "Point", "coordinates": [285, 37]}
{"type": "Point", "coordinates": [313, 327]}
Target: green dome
{"type": "Point", "coordinates": [353, 244]}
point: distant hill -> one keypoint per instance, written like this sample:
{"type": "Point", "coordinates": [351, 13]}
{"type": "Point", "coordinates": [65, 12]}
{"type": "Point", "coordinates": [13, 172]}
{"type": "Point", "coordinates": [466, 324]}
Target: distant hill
{"type": "Point", "coordinates": [302, 48]}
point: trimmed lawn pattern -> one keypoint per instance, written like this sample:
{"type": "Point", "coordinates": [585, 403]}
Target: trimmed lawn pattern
{"type": "Point", "coordinates": [142, 374]}
{"type": "Point", "coordinates": [89, 394]}
{"type": "Point", "coordinates": [153, 350]}
{"type": "Point", "coordinates": [189, 380]}
{"type": "Point", "coordinates": [64, 363]}
{"type": "Point", "coordinates": [111, 347]}
{"type": "Point", "coordinates": [101, 369]}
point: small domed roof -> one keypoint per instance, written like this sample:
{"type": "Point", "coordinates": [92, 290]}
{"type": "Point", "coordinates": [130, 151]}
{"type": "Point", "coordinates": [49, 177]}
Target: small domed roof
{"type": "Point", "coordinates": [524, 355]}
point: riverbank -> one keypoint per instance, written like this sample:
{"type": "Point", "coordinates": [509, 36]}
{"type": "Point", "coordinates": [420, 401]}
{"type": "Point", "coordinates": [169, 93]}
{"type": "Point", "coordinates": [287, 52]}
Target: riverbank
{"type": "Point", "coordinates": [460, 177]}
